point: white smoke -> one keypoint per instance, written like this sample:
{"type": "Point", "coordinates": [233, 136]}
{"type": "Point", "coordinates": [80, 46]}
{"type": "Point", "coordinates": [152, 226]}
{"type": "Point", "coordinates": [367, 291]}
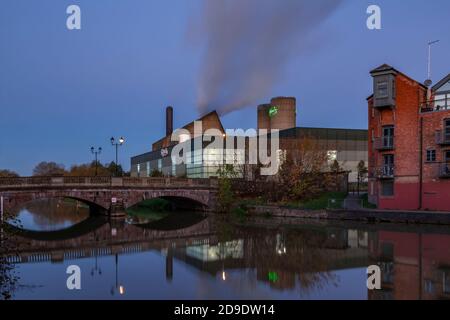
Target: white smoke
{"type": "Point", "coordinates": [248, 43]}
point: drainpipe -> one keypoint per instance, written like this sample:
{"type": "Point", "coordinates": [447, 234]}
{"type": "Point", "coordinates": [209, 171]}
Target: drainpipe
{"type": "Point", "coordinates": [421, 164]}
{"type": "Point", "coordinates": [1, 219]}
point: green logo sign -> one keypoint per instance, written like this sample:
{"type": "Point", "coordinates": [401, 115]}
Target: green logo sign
{"type": "Point", "coordinates": [273, 111]}
{"type": "Point", "coordinates": [273, 276]}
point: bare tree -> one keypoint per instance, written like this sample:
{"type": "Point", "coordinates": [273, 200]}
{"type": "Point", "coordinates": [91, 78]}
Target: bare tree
{"type": "Point", "coordinates": [49, 169]}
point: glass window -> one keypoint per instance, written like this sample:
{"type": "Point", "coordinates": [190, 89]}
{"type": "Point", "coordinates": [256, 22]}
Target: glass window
{"type": "Point", "coordinates": [388, 165]}
{"type": "Point", "coordinates": [446, 282]}
{"type": "Point", "coordinates": [174, 170]}
{"type": "Point", "coordinates": [431, 155]}
{"type": "Point", "coordinates": [159, 164]}
{"type": "Point", "coordinates": [388, 136]}
{"type": "Point", "coordinates": [447, 129]}
{"type": "Point", "coordinates": [387, 188]}
{"type": "Point", "coordinates": [382, 89]}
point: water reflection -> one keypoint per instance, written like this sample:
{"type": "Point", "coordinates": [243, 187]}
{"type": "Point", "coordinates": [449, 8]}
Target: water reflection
{"type": "Point", "coordinates": [50, 214]}
{"type": "Point", "coordinates": [209, 258]}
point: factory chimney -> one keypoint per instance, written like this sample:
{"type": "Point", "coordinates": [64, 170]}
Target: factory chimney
{"type": "Point", "coordinates": [169, 120]}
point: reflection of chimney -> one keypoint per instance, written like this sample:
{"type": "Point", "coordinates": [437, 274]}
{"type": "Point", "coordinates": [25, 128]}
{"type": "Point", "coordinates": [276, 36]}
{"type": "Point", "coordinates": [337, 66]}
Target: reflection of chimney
{"type": "Point", "coordinates": [169, 120]}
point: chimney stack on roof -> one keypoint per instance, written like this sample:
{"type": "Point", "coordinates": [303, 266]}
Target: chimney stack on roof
{"type": "Point", "coordinates": [169, 120]}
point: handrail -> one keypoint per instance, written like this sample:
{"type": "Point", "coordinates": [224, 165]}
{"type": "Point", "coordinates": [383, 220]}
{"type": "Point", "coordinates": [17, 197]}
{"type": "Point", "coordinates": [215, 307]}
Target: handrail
{"type": "Point", "coordinates": [127, 182]}
{"type": "Point", "coordinates": [435, 105]}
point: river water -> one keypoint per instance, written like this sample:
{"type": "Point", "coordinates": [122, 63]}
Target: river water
{"type": "Point", "coordinates": [184, 255]}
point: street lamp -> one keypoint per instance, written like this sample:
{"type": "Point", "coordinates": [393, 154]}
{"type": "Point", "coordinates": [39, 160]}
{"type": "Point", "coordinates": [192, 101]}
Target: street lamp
{"type": "Point", "coordinates": [96, 152]}
{"type": "Point", "coordinates": [120, 288]}
{"type": "Point", "coordinates": [117, 144]}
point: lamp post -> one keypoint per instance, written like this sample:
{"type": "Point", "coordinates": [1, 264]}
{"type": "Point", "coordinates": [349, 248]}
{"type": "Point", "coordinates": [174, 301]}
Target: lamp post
{"type": "Point", "coordinates": [120, 288]}
{"type": "Point", "coordinates": [117, 144]}
{"type": "Point", "coordinates": [96, 153]}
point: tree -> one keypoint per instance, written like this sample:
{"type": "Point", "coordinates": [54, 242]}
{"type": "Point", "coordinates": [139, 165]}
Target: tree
{"type": "Point", "coordinates": [299, 176]}
{"type": "Point", "coordinates": [225, 195]}
{"type": "Point", "coordinates": [8, 174]}
{"type": "Point", "coordinates": [49, 169]}
{"type": "Point", "coordinates": [362, 172]}
{"type": "Point", "coordinates": [336, 169]}
{"type": "Point", "coordinates": [155, 173]}
{"type": "Point", "coordinates": [89, 170]}
{"type": "Point", "coordinates": [115, 170]}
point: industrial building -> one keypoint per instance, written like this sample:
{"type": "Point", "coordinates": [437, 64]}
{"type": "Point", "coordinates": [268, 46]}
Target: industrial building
{"type": "Point", "coordinates": [347, 146]}
{"type": "Point", "coordinates": [409, 148]}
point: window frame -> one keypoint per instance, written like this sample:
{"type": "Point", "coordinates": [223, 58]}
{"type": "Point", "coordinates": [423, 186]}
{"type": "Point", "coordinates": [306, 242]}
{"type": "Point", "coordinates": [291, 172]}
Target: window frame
{"type": "Point", "coordinates": [431, 152]}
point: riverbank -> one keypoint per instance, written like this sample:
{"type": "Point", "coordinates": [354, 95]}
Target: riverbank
{"type": "Point", "coordinates": [365, 215]}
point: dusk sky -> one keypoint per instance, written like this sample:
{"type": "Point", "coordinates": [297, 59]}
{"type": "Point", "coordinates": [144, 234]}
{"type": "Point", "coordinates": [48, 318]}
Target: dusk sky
{"type": "Point", "coordinates": [63, 91]}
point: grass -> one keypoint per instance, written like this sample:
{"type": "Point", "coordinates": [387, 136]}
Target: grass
{"type": "Point", "coordinates": [321, 202]}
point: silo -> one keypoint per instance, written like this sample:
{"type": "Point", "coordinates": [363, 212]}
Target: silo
{"type": "Point", "coordinates": [282, 113]}
{"type": "Point", "coordinates": [263, 116]}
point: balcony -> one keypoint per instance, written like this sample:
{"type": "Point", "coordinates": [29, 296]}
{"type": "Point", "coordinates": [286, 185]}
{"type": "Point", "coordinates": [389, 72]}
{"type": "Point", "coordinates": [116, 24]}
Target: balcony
{"type": "Point", "coordinates": [442, 138]}
{"type": "Point", "coordinates": [384, 172]}
{"type": "Point", "coordinates": [435, 105]}
{"type": "Point", "coordinates": [384, 143]}
{"type": "Point", "coordinates": [444, 170]}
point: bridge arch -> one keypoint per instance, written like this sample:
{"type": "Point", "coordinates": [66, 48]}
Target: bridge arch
{"type": "Point", "coordinates": [16, 200]}
{"type": "Point", "coordinates": [182, 199]}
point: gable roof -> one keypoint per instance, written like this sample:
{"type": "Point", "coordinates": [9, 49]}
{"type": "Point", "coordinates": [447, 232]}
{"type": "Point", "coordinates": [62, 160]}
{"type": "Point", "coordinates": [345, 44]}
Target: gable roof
{"type": "Point", "coordinates": [385, 68]}
{"type": "Point", "coordinates": [441, 83]}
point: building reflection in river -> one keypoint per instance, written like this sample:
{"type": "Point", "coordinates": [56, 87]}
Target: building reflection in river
{"type": "Point", "coordinates": [414, 265]}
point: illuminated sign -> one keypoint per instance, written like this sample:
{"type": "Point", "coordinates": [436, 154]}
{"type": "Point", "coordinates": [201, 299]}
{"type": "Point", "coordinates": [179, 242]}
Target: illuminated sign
{"type": "Point", "coordinates": [273, 111]}
{"type": "Point", "coordinates": [273, 276]}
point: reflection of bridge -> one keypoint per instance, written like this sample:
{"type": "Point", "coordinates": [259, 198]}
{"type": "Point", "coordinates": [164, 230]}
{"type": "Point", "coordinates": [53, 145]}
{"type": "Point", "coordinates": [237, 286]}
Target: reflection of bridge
{"type": "Point", "coordinates": [102, 238]}
{"type": "Point", "coordinates": [110, 193]}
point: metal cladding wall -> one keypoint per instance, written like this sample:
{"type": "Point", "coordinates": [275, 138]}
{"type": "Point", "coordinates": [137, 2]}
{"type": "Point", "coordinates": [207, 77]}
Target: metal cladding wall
{"type": "Point", "coordinates": [263, 116]}
{"type": "Point", "coordinates": [285, 118]}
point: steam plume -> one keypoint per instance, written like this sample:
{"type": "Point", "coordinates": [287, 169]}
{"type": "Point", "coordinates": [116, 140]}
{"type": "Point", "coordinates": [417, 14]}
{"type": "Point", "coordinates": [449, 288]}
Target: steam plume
{"type": "Point", "coordinates": [248, 42]}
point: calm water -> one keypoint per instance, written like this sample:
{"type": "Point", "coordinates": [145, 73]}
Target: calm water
{"type": "Point", "coordinates": [188, 256]}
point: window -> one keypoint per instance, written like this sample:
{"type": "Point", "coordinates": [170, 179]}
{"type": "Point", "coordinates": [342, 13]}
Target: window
{"type": "Point", "coordinates": [387, 188]}
{"type": "Point", "coordinates": [446, 282]}
{"type": "Point", "coordinates": [431, 155]}
{"type": "Point", "coordinates": [160, 165]}
{"type": "Point", "coordinates": [388, 165]}
{"type": "Point", "coordinates": [388, 136]}
{"type": "Point", "coordinates": [447, 130]}
{"type": "Point", "coordinates": [148, 168]}
{"type": "Point", "coordinates": [447, 156]}
{"type": "Point", "coordinates": [138, 169]}
{"type": "Point", "coordinates": [332, 155]}
{"type": "Point", "coordinates": [174, 169]}
{"type": "Point", "coordinates": [382, 89]}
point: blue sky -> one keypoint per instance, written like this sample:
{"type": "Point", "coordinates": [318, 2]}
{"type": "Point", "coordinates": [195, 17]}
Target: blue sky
{"type": "Point", "coordinates": [62, 91]}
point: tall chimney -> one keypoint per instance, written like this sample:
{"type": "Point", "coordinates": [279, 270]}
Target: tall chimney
{"type": "Point", "coordinates": [169, 120]}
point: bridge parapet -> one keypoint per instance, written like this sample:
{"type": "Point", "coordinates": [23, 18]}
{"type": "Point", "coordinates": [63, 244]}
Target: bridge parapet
{"type": "Point", "coordinates": [107, 182]}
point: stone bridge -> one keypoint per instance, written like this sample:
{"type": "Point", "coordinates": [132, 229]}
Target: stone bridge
{"type": "Point", "coordinates": [112, 194]}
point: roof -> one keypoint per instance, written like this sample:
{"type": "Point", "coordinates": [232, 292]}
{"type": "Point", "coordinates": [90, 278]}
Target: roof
{"type": "Point", "coordinates": [386, 68]}
{"type": "Point", "coordinates": [325, 133]}
{"type": "Point", "coordinates": [442, 82]}
{"type": "Point", "coordinates": [166, 140]}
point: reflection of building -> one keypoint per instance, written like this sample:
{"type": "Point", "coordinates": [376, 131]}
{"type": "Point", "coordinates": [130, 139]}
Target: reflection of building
{"type": "Point", "coordinates": [284, 260]}
{"type": "Point", "coordinates": [348, 146]}
{"type": "Point", "coordinates": [409, 149]}
{"type": "Point", "coordinates": [413, 266]}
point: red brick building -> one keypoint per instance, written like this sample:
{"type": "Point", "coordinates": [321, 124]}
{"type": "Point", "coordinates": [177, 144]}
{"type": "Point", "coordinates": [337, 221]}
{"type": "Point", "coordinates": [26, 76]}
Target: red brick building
{"type": "Point", "coordinates": [409, 142]}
